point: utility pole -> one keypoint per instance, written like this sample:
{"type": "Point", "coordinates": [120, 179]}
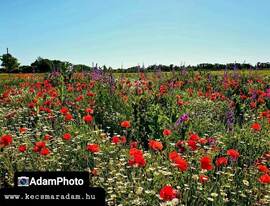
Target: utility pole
{"type": "Point", "coordinates": [7, 50]}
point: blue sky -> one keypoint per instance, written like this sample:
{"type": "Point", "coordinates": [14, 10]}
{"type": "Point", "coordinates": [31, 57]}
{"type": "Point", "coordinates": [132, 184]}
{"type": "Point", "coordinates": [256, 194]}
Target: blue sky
{"type": "Point", "coordinates": [130, 32]}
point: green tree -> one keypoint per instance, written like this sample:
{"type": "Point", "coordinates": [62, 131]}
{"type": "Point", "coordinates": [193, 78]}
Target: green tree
{"type": "Point", "coordinates": [42, 65]}
{"type": "Point", "coordinates": [9, 62]}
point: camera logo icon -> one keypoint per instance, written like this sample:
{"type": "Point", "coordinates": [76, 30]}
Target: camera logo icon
{"type": "Point", "coordinates": [23, 181]}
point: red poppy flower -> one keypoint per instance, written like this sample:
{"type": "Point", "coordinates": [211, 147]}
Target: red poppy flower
{"type": "Point", "coordinates": [68, 117]}
{"type": "Point", "coordinates": [167, 193]}
{"type": "Point", "coordinates": [203, 178]}
{"type": "Point", "coordinates": [155, 145]}
{"type": "Point", "coordinates": [167, 132]}
{"type": "Point", "coordinates": [134, 151]}
{"type": "Point", "coordinates": [64, 110]}
{"type": "Point", "coordinates": [31, 105]}
{"type": "Point", "coordinates": [173, 156]}
{"type": "Point", "coordinates": [36, 149]}
{"type": "Point", "coordinates": [67, 136]}
{"type": "Point", "coordinates": [38, 146]}
{"type": "Point", "coordinates": [136, 157]}
{"type": "Point", "coordinates": [256, 127]}
{"type": "Point", "coordinates": [163, 89]}
{"type": "Point", "coordinates": [89, 110]}
{"type": "Point", "coordinates": [22, 148]}
{"type": "Point", "coordinates": [123, 139]}
{"type": "Point", "coordinates": [22, 129]}
{"type": "Point", "coordinates": [88, 118]}
{"type": "Point", "coordinates": [194, 137]}
{"type": "Point", "coordinates": [137, 160]}
{"type": "Point", "coordinates": [47, 137]}
{"type": "Point", "coordinates": [181, 164]}
{"type": "Point", "coordinates": [5, 140]}
{"type": "Point", "coordinates": [233, 153]}
{"type": "Point", "coordinates": [115, 139]}
{"type": "Point", "coordinates": [79, 98]}
{"type": "Point", "coordinates": [202, 141]}
{"type": "Point", "coordinates": [125, 124]}
{"type": "Point", "coordinates": [264, 179]}
{"type": "Point", "coordinates": [90, 94]}
{"type": "Point", "coordinates": [94, 148]}
{"type": "Point", "coordinates": [263, 168]}
{"type": "Point", "coordinates": [192, 145]}
{"type": "Point", "coordinates": [253, 104]}
{"type": "Point", "coordinates": [206, 163]}
{"type": "Point", "coordinates": [44, 151]}
{"type": "Point", "coordinates": [221, 161]}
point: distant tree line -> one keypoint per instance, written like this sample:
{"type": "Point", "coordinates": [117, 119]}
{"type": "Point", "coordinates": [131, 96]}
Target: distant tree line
{"type": "Point", "coordinates": [201, 67]}
{"type": "Point", "coordinates": [11, 65]}
{"type": "Point", "coordinates": [42, 65]}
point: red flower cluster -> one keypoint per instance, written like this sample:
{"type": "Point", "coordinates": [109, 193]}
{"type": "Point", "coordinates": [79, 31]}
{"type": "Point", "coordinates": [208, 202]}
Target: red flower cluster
{"type": "Point", "coordinates": [65, 111]}
{"type": "Point", "coordinates": [234, 154]}
{"type": "Point", "coordinates": [118, 140]}
{"type": "Point", "coordinates": [125, 124]}
{"type": "Point", "coordinates": [5, 140]}
{"type": "Point", "coordinates": [40, 147]}
{"type": "Point", "coordinates": [263, 168]}
{"type": "Point", "coordinates": [167, 132]}
{"type": "Point", "coordinates": [194, 140]}
{"type": "Point", "coordinates": [264, 179]}
{"type": "Point", "coordinates": [45, 151]}
{"type": "Point", "coordinates": [192, 144]}
{"type": "Point", "coordinates": [22, 148]}
{"type": "Point", "coordinates": [256, 127]}
{"type": "Point", "coordinates": [136, 158]}
{"type": "Point", "coordinates": [180, 162]}
{"type": "Point", "coordinates": [266, 114]}
{"type": "Point", "coordinates": [163, 89]}
{"type": "Point", "coordinates": [155, 145]}
{"type": "Point", "coordinates": [94, 148]}
{"type": "Point", "coordinates": [167, 193]}
{"type": "Point", "coordinates": [221, 161]}
{"type": "Point", "coordinates": [206, 163]}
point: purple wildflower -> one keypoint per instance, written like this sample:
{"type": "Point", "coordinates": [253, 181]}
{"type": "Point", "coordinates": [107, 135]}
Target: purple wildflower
{"type": "Point", "coordinates": [230, 120]}
{"type": "Point", "coordinates": [212, 141]}
{"type": "Point", "coordinates": [181, 119]}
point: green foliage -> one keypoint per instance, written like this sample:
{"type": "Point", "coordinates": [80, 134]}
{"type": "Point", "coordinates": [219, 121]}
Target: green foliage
{"type": "Point", "coordinates": [207, 117]}
{"type": "Point", "coordinates": [9, 62]}
{"type": "Point", "coordinates": [42, 65]}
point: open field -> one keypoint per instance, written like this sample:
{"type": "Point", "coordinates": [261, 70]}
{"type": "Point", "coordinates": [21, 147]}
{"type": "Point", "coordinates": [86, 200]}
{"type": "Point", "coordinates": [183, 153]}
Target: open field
{"type": "Point", "coordinates": [6, 76]}
{"type": "Point", "coordinates": [148, 139]}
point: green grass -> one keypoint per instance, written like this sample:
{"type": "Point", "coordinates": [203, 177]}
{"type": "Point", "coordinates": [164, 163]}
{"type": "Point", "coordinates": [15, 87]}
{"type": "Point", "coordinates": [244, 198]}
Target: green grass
{"type": "Point", "coordinates": [246, 72]}
{"type": "Point", "coordinates": [6, 76]}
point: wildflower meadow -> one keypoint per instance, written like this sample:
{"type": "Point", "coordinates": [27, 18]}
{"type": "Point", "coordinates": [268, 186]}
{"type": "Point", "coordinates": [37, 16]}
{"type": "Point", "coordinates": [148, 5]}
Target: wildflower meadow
{"type": "Point", "coordinates": [181, 138]}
